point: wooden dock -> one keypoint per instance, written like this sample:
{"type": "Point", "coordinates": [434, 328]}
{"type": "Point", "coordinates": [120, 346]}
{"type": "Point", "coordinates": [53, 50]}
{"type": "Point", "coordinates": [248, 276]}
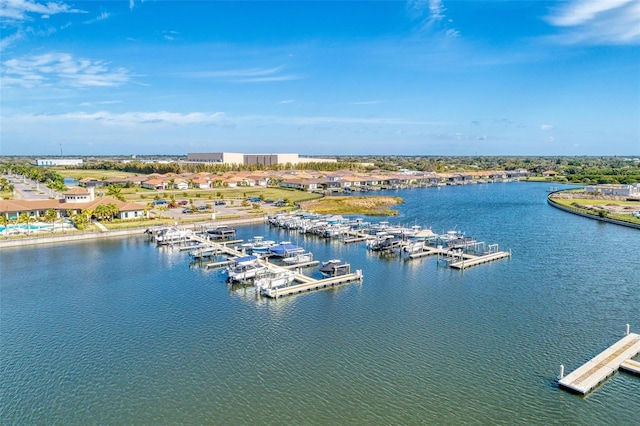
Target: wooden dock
{"type": "Point", "coordinates": [312, 285]}
{"type": "Point", "coordinates": [308, 264]}
{"type": "Point", "coordinates": [357, 239]}
{"type": "Point", "coordinates": [631, 366]}
{"type": "Point", "coordinates": [460, 260]}
{"type": "Point", "coordinates": [470, 260]}
{"type": "Point", "coordinates": [428, 251]}
{"type": "Point", "coordinates": [586, 377]}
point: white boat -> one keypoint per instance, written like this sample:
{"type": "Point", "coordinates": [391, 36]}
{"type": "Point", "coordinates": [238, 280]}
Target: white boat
{"type": "Point", "coordinates": [257, 245]}
{"type": "Point", "coordinates": [170, 234]}
{"type": "Point", "coordinates": [298, 258]}
{"type": "Point", "coordinates": [245, 268]}
{"type": "Point", "coordinates": [284, 249]}
{"type": "Point", "coordinates": [274, 279]}
{"type": "Point", "coordinates": [334, 267]}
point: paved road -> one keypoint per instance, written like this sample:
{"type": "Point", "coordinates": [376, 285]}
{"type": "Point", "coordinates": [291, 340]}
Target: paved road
{"type": "Point", "coordinates": [26, 189]}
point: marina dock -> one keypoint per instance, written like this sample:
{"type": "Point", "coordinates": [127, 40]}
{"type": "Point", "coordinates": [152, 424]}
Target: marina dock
{"type": "Point", "coordinates": [312, 285]}
{"type": "Point", "coordinates": [471, 260]}
{"type": "Point", "coordinates": [459, 259]}
{"type": "Point", "coordinates": [595, 371]}
{"type": "Point", "coordinates": [305, 283]}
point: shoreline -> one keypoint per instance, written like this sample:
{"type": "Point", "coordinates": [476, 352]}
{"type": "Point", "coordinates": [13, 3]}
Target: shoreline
{"type": "Point", "coordinates": [559, 206]}
{"type": "Point", "coordinates": [64, 238]}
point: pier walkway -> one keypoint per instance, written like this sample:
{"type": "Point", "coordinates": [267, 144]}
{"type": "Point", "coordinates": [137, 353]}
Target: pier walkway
{"type": "Point", "coordinates": [460, 260]}
{"type": "Point", "coordinates": [311, 285]}
{"type": "Point", "coordinates": [305, 283]}
{"type": "Point", "coordinates": [586, 377]}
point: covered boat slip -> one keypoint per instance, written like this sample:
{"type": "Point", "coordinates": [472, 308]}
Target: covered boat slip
{"type": "Point", "coordinates": [305, 283]}
{"type": "Point", "coordinates": [588, 376]}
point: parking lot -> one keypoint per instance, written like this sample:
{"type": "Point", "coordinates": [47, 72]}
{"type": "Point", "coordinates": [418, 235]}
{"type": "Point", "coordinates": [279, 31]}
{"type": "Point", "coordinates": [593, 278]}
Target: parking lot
{"type": "Point", "coordinates": [206, 208]}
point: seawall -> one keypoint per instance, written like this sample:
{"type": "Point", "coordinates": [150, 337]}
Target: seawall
{"type": "Point", "coordinates": [590, 216]}
{"type": "Point", "coordinates": [64, 238]}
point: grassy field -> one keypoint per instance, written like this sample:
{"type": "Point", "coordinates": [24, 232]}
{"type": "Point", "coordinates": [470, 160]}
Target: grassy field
{"type": "Point", "coordinates": [584, 205]}
{"type": "Point", "coordinates": [595, 202]}
{"type": "Point", "coordinates": [371, 206]}
{"type": "Point", "coordinates": [293, 196]}
{"type": "Point", "coordinates": [96, 174]}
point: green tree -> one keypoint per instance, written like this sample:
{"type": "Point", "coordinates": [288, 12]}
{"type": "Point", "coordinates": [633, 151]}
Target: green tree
{"type": "Point", "coordinates": [116, 192]}
{"type": "Point", "coordinates": [50, 216]}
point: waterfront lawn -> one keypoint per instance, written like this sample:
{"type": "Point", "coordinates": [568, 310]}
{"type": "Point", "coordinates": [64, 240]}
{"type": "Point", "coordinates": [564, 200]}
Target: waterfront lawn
{"type": "Point", "coordinates": [584, 205]}
{"type": "Point", "coordinates": [370, 206]}
{"type": "Point", "coordinates": [95, 174]}
{"type": "Point", "coordinates": [235, 194]}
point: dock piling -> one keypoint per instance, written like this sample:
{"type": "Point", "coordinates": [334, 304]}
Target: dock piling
{"type": "Point", "coordinates": [561, 371]}
{"type": "Point", "coordinates": [627, 330]}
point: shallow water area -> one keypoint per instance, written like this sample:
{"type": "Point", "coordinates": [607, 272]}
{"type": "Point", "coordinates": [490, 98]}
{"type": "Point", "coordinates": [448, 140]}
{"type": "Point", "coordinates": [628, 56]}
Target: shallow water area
{"type": "Point", "coordinates": [121, 331]}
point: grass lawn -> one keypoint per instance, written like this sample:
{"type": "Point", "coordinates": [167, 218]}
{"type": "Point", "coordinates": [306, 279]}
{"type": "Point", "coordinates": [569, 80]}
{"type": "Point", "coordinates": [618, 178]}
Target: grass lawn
{"type": "Point", "coordinates": [371, 206]}
{"type": "Point", "coordinates": [141, 194]}
{"type": "Point", "coordinates": [594, 202]}
{"type": "Point", "coordinates": [97, 174]}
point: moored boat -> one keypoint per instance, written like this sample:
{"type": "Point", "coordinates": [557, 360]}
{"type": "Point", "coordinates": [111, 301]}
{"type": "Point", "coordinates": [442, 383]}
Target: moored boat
{"type": "Point", "coordinates": [334, 267]}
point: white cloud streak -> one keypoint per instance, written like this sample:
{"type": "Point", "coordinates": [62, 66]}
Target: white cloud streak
{"type": "Point", "coordinates": [244, 75]}
{"type": "Point", "coordinates": [60, 69]}
{"type": "Point", "coordinates": [432, 16]}
{"type": "Point", "coordinates": [598, 22]}
{"type": "Point", "coordinates": [175, 118]}
{"type": "Point", "coordinates": [122, 119]}
{"type": "Point", "coordinates": [20, 10]}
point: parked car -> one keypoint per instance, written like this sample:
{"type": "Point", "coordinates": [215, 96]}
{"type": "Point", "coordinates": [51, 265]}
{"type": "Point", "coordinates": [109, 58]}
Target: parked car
{"type": "Point", "coordinates": [159, 202]}
{"type": "Point", "coordinates": [187, 211]}
{"type": "Point", "coordinates": [183, 203]}
{"type": "Point", "coordinates": [220, 203]}
{"type": "Point", "coordinates": [202, 207]}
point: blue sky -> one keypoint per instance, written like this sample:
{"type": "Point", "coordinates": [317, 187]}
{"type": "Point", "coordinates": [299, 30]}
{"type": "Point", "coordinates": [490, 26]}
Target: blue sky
{"type": "Point", "coordinates": [432, 77]}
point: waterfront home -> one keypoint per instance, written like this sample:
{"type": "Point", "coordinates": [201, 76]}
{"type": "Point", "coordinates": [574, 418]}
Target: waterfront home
{"type": "Point", "coordinates": [12, 209]}
{"type": "Point", "coordinates": [181, 184]}
{"type": "Point", "coordinates": [616, 189]}
{"type": "Point", "coordinates": [304, 184]}
{"type": "Point", "coordinates": [201, 183]}
{"type": "Point", "coordinates": [157, 184]}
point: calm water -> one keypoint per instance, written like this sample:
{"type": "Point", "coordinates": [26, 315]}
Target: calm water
{"type": "Point", "coordinates": [119, 331]}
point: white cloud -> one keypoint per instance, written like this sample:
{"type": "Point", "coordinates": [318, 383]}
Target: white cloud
{"type": "Point", "coordinates": [546, 127]}
{"type": "Point", "coordinates": [101, 17]}
{"type": "Point", "coordinates": [286, 101]}
{"type": "Point", "coordinates": [598, 22]}
{"type": "Point", "coordinates": [177, 118]}
{"type": "Point", "coordinates": [244, 75]}
{"type": "Point", "coordinates": [432, 17]}
{"type": "Point", "coordinates": [126, 119]}
{"type": "Point", "coordinates": [21, 10]}
{"type": "Point", "coordinates": [89, 104]}
{"type": "Point", "coordinates": [61, 69]}
{"type": "Point", "coordinates": [374, 102]}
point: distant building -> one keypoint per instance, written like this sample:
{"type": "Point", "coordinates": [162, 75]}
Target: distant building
{"type": "Point", "coordinates": [45, 162]}
{"type": "Point", "coordinates": [248, 159]}
{"type": "Point", "coordinates": [616, 189]}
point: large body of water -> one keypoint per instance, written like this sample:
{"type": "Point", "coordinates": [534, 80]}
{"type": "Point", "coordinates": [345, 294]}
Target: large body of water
{"type": "Point", "coordinates": [122, 332]}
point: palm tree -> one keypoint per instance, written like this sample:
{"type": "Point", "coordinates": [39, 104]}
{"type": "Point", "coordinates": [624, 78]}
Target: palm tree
{"type": "Point", "coordinates": [101, 211]}
{"type": "Point", "coordinates": [116, 192]}
{"type": "Point", "coordinates": [4, 221]}
{"type": "Point", "coordinates": [112, 210]}
{"type": "Point", "coordinates": [50, 217]}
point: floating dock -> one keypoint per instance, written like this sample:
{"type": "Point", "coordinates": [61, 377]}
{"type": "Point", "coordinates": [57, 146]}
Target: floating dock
{"type": "Point", "coordinates": [306, 283]}
{"type": "Point", "coordinates": [459, 259]}
{"type": "Point", "coordinates": [631, 366]}
{"type": "Point", "coordinates": [312, 285]}
{"type": "Point", "coordinates": [584, 379]}
{"type": "Point", "coordinates": [470, 260]}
